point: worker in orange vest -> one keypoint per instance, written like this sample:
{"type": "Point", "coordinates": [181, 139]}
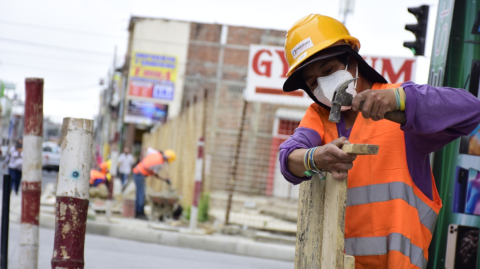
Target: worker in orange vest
{"type": "Point", "coordinates": [103, 176]}
{"type": "Point", "coordinates": [149, 166]}
{"type": "Point", "coordinates": [97, 178]}
{"type": "Point", "coordinates": [392, 202]}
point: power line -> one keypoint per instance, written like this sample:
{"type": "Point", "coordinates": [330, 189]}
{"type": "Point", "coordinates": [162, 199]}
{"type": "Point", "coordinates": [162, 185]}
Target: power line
{"type": "Point", "coordinates": [50, 57]}
{"type": "Point", "coordinates": [51, 46]}
{"type": "Point", "coordinates": [8, 64]}
{"type": "Point", "coordinates": [61, 29]}
{"type": "Point", "coordinates": [90, 33]}
{"type": "Point", "coordinates": [73, 89]}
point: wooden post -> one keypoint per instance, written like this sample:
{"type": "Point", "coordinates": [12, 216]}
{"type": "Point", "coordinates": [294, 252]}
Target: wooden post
{"type": "Point", "coordinates": [111, 182]}
{"type": "Point", "coordinates": [233, 168]}
{"type": "Point", "coordinates": [321, 220]}
{"type": "Point", "coordinates": [198, 184]}
{"type": "Point", "coordinates": [72, 194]}
{"type": "Point", "coordinates": [31, 173]}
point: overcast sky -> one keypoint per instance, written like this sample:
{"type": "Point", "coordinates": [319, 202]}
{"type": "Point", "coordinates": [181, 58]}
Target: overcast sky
{"type": "Point", "coordinates": [71, 43]}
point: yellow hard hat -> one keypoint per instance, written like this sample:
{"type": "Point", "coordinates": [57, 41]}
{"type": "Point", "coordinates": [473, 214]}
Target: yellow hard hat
{"type": "Point", "coordinates": [317, 37]}
{"type": "Point", "coordinates": [170, 155]}
{"type": "Point", "coordinates": [312, 34]}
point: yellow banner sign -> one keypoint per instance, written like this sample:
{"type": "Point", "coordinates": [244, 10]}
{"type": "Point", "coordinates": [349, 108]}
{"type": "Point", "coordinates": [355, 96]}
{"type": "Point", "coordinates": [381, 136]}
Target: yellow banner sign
{"type": "Point", "coordinates": [152, 75]}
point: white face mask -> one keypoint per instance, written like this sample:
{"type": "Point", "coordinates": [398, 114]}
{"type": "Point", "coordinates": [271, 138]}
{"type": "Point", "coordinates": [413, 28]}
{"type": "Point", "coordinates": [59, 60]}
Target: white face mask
{"type": "Point", "coordinates": [325, 90]}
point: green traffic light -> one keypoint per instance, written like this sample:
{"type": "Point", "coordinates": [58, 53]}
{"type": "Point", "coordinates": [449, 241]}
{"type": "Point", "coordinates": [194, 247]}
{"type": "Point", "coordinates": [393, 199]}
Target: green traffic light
{"type": "Point", "coordinates": [414, 51]}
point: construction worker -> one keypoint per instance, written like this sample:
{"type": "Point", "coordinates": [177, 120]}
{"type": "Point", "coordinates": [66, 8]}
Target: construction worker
{"type": "Point", "coordinates": [97, 178]}
{"type": "Point", "coordinates": [102, 176]}
{"type": "Point", "coordinates": [149, 166]}
{"type": "Point", "coordinates": [392, 203]}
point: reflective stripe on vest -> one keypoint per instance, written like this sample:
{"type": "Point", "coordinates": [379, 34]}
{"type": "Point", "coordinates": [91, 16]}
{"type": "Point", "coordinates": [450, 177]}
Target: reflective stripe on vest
{"type": "Point", "coordinates": [389, 191]}
{"type": "Point", "coordinates": [363, 246]}
{"type": "Point", "coordinates": [389, 222]}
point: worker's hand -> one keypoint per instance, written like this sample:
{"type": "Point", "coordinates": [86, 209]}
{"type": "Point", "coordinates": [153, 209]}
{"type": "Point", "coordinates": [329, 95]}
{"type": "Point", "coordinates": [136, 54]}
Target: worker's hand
{"type": "Point", "coordinates": [334, 160]}
{"type": "Point", "coordinates": [168, 181]}
{"type": "Point", "coordinates": [375, 103]}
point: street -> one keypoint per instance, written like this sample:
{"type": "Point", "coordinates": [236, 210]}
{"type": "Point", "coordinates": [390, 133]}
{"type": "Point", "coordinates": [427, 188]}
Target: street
{"type": "Point", "coordinates": [104, 252]}
{"type": "Point", "coordinates": [47, 177]}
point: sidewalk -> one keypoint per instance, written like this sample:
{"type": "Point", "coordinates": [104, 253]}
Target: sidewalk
{"type": "Point", "coordinates": [164, 234]}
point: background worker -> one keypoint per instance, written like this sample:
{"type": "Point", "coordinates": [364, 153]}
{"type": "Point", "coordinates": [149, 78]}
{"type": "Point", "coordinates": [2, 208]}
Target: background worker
{"type": "Point", "coordinates": [125, 162]}
{"type": "Point", "coordinates": [149, 166]}
{"type": "Point", "coordinates": [103, 176]}
{"type": "Point", "coordinates": [97, 178]}
{"type": "Point", "coordinates": [15, 161]}
{"type": "Point", "coordinates": [392, 203]}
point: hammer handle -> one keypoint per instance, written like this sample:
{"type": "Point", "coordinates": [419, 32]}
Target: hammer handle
{"type": "Point", "coordinates": [395, 116]}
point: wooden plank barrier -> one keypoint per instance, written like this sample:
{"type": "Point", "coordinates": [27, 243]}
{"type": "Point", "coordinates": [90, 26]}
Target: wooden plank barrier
{"type": "Point", "coordinates": [321, 220]}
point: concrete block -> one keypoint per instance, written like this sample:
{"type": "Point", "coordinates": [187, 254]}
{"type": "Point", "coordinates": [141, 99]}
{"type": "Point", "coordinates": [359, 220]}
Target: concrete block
{"type": "Point", "coordinates": [361, 149]}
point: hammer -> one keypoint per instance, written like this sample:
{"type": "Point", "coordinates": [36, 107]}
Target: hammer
{"type": "Point", "coordinates": [343, 98]}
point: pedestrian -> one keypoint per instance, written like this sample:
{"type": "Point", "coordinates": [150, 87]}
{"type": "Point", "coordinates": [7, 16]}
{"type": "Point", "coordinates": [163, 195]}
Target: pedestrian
{"type": "Point", "coordinates": [15, 161]}
{"type": "Point", "coordinates": [125, 162]}
{"type": "Point", "coordinates": [392, 202]}
{"type": "Point", "coordinates": [150, 165]}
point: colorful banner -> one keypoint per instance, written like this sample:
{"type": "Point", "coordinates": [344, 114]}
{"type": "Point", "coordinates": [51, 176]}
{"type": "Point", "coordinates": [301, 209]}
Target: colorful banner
{"type": "Point", "coordinates": [152, 76]}
{"type": "Point", "coordinates": [146, 113]}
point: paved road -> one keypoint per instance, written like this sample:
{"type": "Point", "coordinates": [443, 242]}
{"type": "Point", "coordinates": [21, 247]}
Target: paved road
{"type": "Point", "coordinates": [105, 252]}
{"type": "Point", "coordinates": [47, 177]}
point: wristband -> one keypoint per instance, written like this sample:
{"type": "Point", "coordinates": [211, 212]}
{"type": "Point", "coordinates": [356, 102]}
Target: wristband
{"type": "Point", "coordinates": [322, 172]}
{"type": "Point", "coordinates": [403, 98]}
{"type": "Point", "coordinates": [310, 166]}
{"type": "Point", "coordinates": [397, 99]}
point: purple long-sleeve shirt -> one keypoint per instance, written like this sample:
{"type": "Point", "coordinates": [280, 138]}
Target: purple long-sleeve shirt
{"type": "Point", "coordinates": [435, 117]}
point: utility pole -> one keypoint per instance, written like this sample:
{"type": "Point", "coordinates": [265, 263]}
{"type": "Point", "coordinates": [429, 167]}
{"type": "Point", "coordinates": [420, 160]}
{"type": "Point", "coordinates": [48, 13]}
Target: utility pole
{"type": "Point", "coordinates": [31, 173]}
{"type": "Point", "coordinates": [346, 7]}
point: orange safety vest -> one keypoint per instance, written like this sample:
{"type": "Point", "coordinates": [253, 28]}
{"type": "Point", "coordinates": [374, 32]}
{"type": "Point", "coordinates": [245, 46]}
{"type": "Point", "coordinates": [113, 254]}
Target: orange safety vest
{"type": "Point", "coordinates": [94, 175]}
{"type": "Point", "coordinates": [389, 222]}
{"type": "Point", "coordinates": [104, 167]}
{"type": "Point", "coordinates": [144, 167]}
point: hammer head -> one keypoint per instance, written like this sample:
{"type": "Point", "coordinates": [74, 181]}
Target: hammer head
{"type": "Point", "coordinates": [340, 98]}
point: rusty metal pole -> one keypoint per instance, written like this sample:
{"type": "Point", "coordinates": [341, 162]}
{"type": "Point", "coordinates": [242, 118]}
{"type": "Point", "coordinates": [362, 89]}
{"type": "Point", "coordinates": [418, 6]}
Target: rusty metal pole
{"type": "Point", "coordinates": [72, 194]}
{"type": "Point", "coordinates": [233, 169]}
{"type": "Point", "coordinates": [31, 173]}
{"type": "Point", "coordinates": [5, 222]}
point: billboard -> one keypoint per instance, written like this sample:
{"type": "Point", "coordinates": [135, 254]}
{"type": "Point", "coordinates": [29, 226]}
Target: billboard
{"type": "Point", "coordinates": [146, 113]}
{"type": "Point", "coordinates": [152, 76]}
{"type": "Point", "coordinates": [267, 68]}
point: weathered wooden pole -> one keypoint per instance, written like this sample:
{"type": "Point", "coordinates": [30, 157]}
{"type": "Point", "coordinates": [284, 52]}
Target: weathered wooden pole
{"type": "Point", "coordinates": [31, 173]}
{"type": "Point", "coordinates": [321, 220]}
{"type": "Point", "coordinates": [233, 167]}
{"type": "Point", "coordinates": [72, 194]}
{"type": "Point", "coordinates": [198, 184]}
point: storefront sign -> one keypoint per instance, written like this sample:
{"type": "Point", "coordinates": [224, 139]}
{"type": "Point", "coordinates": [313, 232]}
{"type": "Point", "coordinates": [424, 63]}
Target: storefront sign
{"type": "Point", "coordinates": [146, 113]}
{"type": "Point", "coordinates": [268, 67]}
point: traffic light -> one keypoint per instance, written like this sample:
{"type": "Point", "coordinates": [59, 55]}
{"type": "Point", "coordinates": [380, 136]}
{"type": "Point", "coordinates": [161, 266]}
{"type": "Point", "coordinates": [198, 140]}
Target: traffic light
{"type": "Point", "coordinates": [419, 29]}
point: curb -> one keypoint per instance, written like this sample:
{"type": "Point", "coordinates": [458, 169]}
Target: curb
{"type": "Point", "coordinates": [214, 243]}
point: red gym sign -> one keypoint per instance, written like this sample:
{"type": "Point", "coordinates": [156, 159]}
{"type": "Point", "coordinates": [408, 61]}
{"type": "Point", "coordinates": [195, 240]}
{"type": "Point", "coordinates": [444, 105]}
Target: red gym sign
{"type": "Point", "coordinates": [268, 66]}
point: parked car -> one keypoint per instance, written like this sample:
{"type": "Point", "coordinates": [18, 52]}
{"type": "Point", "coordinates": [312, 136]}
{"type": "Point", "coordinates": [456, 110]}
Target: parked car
{"type": "Point", "coordinates": [51, 156]}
